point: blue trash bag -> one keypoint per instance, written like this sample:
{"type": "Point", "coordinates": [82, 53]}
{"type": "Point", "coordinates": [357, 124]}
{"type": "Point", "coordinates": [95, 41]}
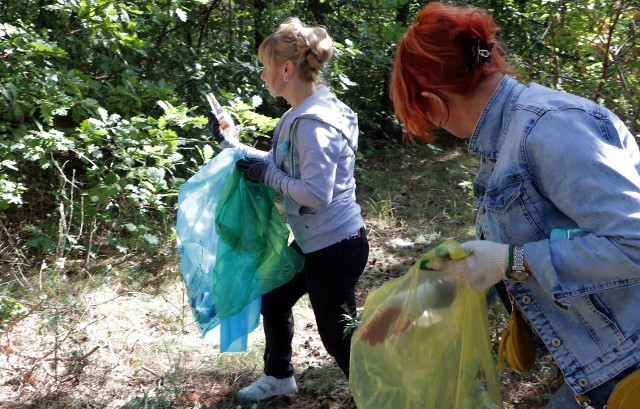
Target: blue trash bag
{"type": "Point", "coordinates": [233, 247]}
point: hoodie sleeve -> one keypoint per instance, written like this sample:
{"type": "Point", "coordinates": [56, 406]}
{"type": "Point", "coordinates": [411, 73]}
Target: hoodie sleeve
{"type": "Point", "coordinates": [318, 145]}
{"type": "Point", "coordinates": [246, 150]}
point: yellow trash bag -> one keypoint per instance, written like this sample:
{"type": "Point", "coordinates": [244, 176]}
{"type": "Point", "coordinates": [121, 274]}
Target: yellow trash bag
{"type": "Point", "coordinates": [424, 343]}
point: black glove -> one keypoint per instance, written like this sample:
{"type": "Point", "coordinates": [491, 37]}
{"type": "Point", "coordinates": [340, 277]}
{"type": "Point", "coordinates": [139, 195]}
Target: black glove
{"type": "Point", "coordinates": [214, 126]}
{"type": "Point", "coordinates": [253, 169]}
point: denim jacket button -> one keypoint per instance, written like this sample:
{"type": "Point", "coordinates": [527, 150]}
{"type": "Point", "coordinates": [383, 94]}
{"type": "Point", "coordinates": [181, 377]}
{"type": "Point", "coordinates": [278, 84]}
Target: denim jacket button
{"type": "Point", "coordinates": [556, 342]}
{"type": "Point", "coordinates": [526, 300]}
{"type": "Point", "coordinates": [583, 382]}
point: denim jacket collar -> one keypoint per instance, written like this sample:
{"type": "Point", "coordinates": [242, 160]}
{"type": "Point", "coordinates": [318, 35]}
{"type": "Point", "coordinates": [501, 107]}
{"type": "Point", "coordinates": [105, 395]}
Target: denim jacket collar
{"type": "Point", "coordinates": [487, 138]}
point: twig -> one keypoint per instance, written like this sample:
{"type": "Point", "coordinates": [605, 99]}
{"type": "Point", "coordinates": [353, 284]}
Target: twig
{"type": "Point", "coordinates": [12, 242]}
{"type": "Point", "coordinates": [75, 365]}
{"type": "Point", "coordinates": [607, 51]}
{"type": "Point", "coordinates": [152, 372]}
{"type": "Point", "coordinates": [9, 239]}
{"type": "Point", "coordinates": [161, 378]}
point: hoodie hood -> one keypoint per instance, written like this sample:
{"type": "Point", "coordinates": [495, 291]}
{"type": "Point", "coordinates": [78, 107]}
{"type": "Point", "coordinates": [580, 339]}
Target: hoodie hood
{"type": "Point", "coordinates": [325, 107]}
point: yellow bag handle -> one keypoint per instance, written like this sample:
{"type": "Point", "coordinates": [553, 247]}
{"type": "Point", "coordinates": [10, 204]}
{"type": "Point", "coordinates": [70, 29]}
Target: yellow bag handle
{"type": "Point", "coordinates": [516, 343]}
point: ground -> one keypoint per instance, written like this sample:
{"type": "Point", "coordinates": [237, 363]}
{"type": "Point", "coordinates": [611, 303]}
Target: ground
{"type": "Point", "coordinates": [110, 341]}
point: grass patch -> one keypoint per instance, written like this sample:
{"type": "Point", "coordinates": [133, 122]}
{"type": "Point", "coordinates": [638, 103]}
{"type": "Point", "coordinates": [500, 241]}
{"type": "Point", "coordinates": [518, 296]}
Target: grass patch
{"type": "Point", "coordinates": [121, 334]}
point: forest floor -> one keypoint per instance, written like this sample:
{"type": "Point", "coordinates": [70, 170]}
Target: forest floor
{"type": "Point", "coordinates": [127, 339]}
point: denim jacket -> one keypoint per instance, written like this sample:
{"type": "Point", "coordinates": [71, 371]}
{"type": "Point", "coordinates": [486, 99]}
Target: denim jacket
{"type": "Point", "coordinates": [554, 160]}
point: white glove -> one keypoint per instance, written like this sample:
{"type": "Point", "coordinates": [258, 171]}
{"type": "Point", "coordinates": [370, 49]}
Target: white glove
{"type": "Point", "coordinates": [486, 264]}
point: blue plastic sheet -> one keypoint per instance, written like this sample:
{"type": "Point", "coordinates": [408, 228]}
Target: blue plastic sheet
{"type": "Point", "coordinates": [233, 247]}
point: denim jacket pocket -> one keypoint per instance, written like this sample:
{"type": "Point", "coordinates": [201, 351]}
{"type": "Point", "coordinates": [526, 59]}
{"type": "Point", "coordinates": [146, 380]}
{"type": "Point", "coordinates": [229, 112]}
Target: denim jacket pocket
{"type": "Point", "coordinates": [500, 199]}
{"type": "Point", "coordinates": [511, 213]}
{"type": "Point", "coordinates": [598, 321]}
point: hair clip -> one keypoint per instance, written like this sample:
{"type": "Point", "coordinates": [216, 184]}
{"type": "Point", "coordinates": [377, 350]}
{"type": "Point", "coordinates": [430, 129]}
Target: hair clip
{"type": "Point", "coordinates": [479, 54]}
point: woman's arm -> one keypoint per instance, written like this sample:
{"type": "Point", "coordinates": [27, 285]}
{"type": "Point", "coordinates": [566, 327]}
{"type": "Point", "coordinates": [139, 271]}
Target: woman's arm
{"type": "Point", "coordinates": [318, 147]}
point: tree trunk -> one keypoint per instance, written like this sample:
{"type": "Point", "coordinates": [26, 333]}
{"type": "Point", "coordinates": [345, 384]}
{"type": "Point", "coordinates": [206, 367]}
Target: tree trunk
{"type": "Point", "coordinates": [258, 25]}
{"type": "Point", "coordinates": [319, 10]}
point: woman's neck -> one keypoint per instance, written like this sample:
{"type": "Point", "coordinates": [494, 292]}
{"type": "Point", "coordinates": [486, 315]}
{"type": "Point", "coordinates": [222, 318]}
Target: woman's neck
{"type": "Point", "coordinates": [465, 110]}
{"type": "Point", "coordinates": [299, 91]}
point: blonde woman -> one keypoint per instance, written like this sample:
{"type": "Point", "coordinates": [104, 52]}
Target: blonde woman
{"type": "Point", "coordinates": [311, 164]}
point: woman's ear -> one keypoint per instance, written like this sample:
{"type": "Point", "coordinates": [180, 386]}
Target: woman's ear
{"type": "Point", "coordinates": [436, 100]}
{"type": "Point", "coordinates": [288, 69]}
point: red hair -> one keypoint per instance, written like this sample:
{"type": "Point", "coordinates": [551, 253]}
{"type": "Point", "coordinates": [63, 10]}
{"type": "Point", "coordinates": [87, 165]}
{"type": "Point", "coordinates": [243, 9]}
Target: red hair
{"type": "Point", "coordinates": [435, 55]}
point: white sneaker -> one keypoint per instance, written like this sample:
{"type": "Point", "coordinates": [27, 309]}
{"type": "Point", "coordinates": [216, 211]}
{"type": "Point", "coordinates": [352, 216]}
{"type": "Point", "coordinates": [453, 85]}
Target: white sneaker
{"type": "Point", "coordinates": [267, 387]}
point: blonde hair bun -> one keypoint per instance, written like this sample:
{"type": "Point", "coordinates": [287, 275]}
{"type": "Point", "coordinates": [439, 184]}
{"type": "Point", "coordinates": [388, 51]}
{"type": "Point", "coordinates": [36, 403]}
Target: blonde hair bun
{"type": "Point", "coordinates": [309, 47]}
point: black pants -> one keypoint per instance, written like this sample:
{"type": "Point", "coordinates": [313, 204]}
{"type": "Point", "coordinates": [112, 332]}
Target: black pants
{"type": "Point", "coordinates": [329, 277]}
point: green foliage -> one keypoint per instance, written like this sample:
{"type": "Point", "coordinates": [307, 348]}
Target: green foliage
{"type": "Point", "coordinates": [586, 47]}
{"type": "Point", "coordinates": [100, 121]}
{"type": "Point", "coordinates": [10, 190]}
{"type": "Point", "coordinates": [11, 310]}
{"type": "Point", "coordinates": [254, 127]}
{"type": "Point", "coordinates": [103, 116]}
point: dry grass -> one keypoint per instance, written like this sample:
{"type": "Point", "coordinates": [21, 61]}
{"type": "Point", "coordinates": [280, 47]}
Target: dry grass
{"type": "Point", "coordinates": [126, 338]}
{"type": "Point", "coordinates": [116, 348]}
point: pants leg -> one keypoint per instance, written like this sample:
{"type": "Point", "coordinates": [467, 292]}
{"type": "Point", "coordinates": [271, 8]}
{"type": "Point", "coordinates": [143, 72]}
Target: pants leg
{"type": "Point", "coordinates": [331, 276]}
{"type": "Point", "coordinates": [277, 321]}
{"type": "Point", "coordinates": [565, 399]}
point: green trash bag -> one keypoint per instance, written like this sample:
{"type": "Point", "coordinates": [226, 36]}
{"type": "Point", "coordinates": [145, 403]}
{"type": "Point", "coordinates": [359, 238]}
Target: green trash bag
{"type": "Point", "coordinates": [423, 343]}
{"type": "Point", "coordinates": [253, 252]}
{"type": "Point", "coordinates": [233, 247]}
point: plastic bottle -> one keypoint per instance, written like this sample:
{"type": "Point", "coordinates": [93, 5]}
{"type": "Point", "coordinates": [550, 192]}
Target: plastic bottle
{"type": "Point", "coordinates": [224, 119]}
{"type": "Point", "coordinates": [425, 299]}
{"type": "Point", "coordinates": [437, 291]}
{"type": "Point", "coordinates": [561, 234]}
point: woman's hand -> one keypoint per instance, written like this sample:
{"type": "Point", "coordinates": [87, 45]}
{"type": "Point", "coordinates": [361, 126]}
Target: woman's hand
{"type": "Point", "coordinates": [486, 264]}
{"type": "Point", "coordinates": [214, 127]}
{"type": "Point", "coordinates": [253, 169]}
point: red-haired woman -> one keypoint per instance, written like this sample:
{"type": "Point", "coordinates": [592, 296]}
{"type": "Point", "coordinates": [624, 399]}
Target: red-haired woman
{"type": "Point", "coordinates": [549, 160]}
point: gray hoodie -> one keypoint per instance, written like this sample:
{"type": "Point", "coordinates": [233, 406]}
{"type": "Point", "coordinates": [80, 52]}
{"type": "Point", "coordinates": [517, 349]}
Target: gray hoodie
{"type": "Point", "coordinates": [311, 164]}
